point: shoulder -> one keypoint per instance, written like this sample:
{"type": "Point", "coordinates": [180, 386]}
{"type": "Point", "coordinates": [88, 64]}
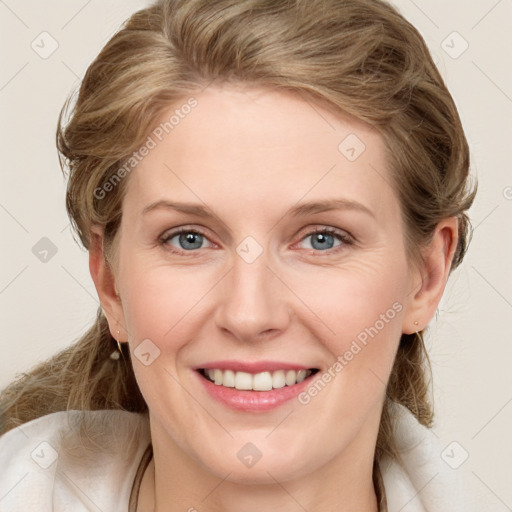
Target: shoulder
{"type": "Point", "coordinates": [421, 479]}
{"type": "Point", "coordinates": [72, 460]}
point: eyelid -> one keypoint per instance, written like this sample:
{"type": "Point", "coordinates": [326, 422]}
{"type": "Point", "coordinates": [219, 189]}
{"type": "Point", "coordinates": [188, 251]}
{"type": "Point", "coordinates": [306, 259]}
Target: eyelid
{"type": "Point", "coordinates": [343, 236]}
{"type": "Point", "coordinates": [328, 229]}
{"type": "Point", "coordinates": [171, 233]}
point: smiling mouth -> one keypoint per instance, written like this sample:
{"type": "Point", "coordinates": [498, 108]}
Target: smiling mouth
{"type": "Point", "coordinates": [263, 381]}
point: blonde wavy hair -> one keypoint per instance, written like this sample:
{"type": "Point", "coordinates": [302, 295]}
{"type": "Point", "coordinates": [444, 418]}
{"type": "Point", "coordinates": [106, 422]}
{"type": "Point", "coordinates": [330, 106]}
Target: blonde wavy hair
{"type": "Point", "coordinates": [359, 57]}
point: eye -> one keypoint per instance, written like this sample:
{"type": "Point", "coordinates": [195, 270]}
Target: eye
{"type": "Point", "coordinates": [324, 239]}
{"type": "Point", "coordinates": [185, 240]}
{"type": "Point", "coordinates": [189, 240]}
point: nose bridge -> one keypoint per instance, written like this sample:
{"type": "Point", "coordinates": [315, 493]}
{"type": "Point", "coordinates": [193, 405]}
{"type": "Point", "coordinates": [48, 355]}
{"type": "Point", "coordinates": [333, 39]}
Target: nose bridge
{"type": "Point", "coordinates": [252, 301]}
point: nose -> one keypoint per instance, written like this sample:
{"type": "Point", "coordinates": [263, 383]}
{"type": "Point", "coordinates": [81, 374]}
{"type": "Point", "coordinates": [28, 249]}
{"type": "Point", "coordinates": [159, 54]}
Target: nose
{"type": "Point", "coordinates": [253, 302]}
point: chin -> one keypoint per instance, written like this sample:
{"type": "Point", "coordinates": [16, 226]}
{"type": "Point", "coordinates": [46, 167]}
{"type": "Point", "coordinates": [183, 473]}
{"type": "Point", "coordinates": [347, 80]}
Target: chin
{"type": "Point", "coordinates": [249, 466]}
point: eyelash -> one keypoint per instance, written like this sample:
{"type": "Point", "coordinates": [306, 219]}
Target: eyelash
{"type": "Point", "coordinates": [345, 239]}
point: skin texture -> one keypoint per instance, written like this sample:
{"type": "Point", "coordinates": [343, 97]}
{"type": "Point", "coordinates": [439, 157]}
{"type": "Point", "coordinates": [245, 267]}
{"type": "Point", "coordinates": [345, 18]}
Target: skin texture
{"type": "Point", "coordinates": [250, 155]}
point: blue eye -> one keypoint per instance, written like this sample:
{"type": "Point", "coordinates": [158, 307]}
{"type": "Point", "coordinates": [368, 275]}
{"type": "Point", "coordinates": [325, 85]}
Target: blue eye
{"type": "Point", "coordinates": [324, 239]}
{"type": "Point", "coordinates": [188, 239]}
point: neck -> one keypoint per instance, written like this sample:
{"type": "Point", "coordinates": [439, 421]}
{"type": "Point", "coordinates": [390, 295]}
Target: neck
{"type": "Point", "coordinates": [174, 482]}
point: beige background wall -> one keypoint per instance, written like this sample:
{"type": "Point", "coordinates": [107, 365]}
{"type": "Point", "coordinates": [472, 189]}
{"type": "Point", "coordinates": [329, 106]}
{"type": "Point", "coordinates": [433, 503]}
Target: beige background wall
{"type": "Point", "coordinates": [44, 305]}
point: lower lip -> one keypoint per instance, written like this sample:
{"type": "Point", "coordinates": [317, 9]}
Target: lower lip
{"type": "Point", "coordinates": [253, 401]}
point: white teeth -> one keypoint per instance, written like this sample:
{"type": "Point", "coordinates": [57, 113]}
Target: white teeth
{"type": "Point", "coordinates": [242, 380]}
{"type": "Point", "coordinates": [278, 379]}
{"type": "Point", "coordinates": [291, 377]}
{"type": "Point", "coordinates": [301, 375]}
{"type": "Point", "coordinates": [263, 381]}
{"type": "Point", "coordinates": [229, 379]}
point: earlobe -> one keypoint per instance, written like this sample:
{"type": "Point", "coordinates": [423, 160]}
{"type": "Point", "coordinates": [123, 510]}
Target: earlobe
{"type": "Point", "coordinates": [104, 280]}
{"type": "Point", "coordinates": [429, 280]}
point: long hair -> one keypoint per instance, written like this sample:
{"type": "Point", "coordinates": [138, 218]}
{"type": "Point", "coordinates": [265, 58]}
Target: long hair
{"type": "Point", "coordinates": [359, 57]}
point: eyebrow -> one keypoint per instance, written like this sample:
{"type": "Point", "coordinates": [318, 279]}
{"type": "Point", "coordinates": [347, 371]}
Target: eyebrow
{"type": "Point", "coordinates": [300, 210]}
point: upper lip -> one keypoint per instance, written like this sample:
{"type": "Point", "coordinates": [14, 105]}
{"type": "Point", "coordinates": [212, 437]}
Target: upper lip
{"type": "Point", "coordinates": [252, 367]}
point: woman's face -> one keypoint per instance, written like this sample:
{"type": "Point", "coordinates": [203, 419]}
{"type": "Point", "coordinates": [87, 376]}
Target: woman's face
{"type": "Point", "coordinates": [255, 174]}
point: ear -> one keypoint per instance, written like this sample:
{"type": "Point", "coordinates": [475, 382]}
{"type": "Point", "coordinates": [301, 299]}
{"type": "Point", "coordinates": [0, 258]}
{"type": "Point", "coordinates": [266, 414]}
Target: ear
{"type": "Point", "coordinates": [428, 281]}
{"type": "Point", "coordinates": [104, 280]}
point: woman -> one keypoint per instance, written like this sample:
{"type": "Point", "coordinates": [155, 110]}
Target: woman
{"type": "Point", "coordinates": [273, 195]}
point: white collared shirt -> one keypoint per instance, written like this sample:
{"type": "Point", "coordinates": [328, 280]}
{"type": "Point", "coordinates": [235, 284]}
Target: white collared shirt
{"type": "Point", "coordinates": [44, 466]}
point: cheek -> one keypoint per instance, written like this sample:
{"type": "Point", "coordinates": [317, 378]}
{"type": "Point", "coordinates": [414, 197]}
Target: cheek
{"type": "Point", "coordinates": [159, 301]}
{"type": "Point", "coordinates": [359, 321]}
{"type": "Point", "coordinates": [361, 301]}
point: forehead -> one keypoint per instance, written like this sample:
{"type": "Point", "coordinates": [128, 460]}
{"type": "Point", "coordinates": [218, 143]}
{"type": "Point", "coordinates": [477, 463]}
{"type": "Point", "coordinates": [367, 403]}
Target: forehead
{"type": "Point", "coordinates": [257, 149]}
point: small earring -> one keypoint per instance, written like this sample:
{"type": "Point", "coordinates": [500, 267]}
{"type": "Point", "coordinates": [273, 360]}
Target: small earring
{"type": "Point", "coordinates": [115, 355]}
